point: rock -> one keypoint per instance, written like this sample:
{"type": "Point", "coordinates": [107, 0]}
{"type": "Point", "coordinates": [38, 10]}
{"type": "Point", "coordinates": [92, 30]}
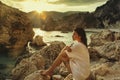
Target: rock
{"type": "Point", "coordinates": [51, 51]}
{"type": "Point", "coordinates": [94, 55]}
{"type": "Point", "coordinates": [36, 76]}
{"type": "Point", "coordinates": [57, 77]}
{"type": "Point", "coordinates": [63, 71]}
{"type": "Point", "coordinates": [38, 41]}
{"type": "Point", "coordinates": [103, 37]}
{"type": "Point", "coordinates": [35, 62]}
{"type": "Point", "coordinates": [107, 71]}
{"type": "Point", "coordinates": [58, 36]}
{"type": "Point", "coordinates": [28, 66]}
{"type": "Point", "coordinates": [69, 77]}
{"type": "Point", "coordinates": [23, 69]}
{"type": "Point", "coordinates": [110, 50]}
{"type": "Point", "coordinates": [109, 13]}
{"type": "Point", "coordinates": [14, 30]}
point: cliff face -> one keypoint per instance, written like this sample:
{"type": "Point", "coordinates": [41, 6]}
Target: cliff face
{"type": "Point", "coordinates": [81, 19]}
{"type": "Point", "coordinates": [15, 30]}
{"type": "Point", "coordinates": [109, 13]}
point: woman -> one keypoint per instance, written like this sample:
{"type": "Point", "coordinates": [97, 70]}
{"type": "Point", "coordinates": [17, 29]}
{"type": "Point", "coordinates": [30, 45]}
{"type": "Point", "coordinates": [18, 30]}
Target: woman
{"type": "Point", "coordinates": [75, 57]}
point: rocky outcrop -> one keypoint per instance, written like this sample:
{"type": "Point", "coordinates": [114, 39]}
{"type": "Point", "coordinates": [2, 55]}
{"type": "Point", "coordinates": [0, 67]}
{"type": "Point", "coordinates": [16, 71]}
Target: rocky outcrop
{"type": "Point", "coordinates": [105, 57]}
{"type": "Point", "coordinates": [110, 50]}
{"type": "Point", "coordinates": [15, 30]}
{"type": "Point", "coordinates": [105, 61]}
{"type": "Point", "coordinates": [38, 41]}
{"type": "Point", "coordinates": [104, 37]}
{"type": "Point", "coordinates": [67, 23]}
{"type": "Point", "coordinates": [37, 76]}
{"type": "Point", "coordinates": [106, 71]}
{"type": "Point", "coordinates": [28, 66]}
{"type": "Point", "coordinates": [51, 52]}
{"type": "Point", "coordinates": [37, 61]}
{"type": "Point", "coordinates": [81, 19]}
{"type": "Point", "coordinates": [109, 14]}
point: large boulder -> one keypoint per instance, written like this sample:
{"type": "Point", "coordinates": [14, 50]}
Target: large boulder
{"type": "Point", "coordinates": [105, 55]}
{"type": "Point", "coordinates": [37, 61]}
{"type": "Point", "coordinates": [14, 30]}
{"type": "Point", "coordinates": [104, 36]}
{"type": "Point", "coordinates": [51, 51]}
{"type": "Point", "coordinates": [28, 66]}
{"type": "Point", "coordinates": [106, 71]}
{"type": "Point", "coordinates": [38, 41]}
{"type": "Point", "coordinates": [110, 50]}
{"type": "Point", "coordinates": [36, 76]}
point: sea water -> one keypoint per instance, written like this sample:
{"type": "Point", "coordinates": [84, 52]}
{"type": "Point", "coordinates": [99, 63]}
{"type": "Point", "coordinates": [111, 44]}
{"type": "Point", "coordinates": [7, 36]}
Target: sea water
{"type": "Point", "coordinates": [49, 36]}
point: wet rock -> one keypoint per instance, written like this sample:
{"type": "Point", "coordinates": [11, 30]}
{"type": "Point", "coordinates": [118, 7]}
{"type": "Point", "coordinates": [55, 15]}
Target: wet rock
{"type": "Point", "coordinates": [58, 36]}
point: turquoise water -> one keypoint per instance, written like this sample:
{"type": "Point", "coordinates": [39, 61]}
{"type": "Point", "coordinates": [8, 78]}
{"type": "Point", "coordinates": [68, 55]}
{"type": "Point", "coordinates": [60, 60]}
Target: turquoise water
{"type": "Point", "coordinates": [48, 36]}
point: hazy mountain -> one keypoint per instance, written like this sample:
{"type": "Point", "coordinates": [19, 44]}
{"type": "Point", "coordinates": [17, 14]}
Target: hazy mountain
{"type": "Point", "coordinates": [62, 21]}
{"type": "Point", "coordinates": [105, 16]}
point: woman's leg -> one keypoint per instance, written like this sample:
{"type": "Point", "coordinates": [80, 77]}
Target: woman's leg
{"type": "Point", "coordinates": [62, 57]}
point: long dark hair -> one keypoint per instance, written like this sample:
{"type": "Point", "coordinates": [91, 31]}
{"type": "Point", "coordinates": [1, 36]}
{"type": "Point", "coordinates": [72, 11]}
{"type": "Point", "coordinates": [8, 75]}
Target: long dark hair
{"type": "Point", "coordinates": [81, 32]}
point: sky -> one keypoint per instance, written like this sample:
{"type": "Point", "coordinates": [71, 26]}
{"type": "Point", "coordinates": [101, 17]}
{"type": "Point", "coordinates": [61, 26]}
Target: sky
{"type": "Point", "coordinates": [55, 5]}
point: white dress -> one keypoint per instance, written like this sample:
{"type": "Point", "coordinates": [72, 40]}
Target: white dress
{"type": "Point", "coordinates": [79, 61]}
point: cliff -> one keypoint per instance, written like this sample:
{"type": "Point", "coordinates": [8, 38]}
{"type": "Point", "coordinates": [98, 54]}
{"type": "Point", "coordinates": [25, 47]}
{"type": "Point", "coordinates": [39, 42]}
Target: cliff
{"type": "Point", "coordinates": [15, 30]}
{"type": "Point", "coordinates": [109, 14]}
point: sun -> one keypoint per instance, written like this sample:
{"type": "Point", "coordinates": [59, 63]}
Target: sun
{"type": "Point", "coordinates": [39, 11]}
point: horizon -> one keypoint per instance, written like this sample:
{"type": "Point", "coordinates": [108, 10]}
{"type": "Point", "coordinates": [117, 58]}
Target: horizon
{"type": "Point", "coordinates": [55, 5]}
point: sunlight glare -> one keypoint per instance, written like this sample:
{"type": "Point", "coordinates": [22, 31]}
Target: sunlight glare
{"type": "Point", "coordinates": [38, 6]}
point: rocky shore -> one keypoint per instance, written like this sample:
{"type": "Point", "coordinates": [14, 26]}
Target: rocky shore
{"type": "Point", "coordinates": [104, 52]}
{"type": "Point", "coordinates": [34, 55]}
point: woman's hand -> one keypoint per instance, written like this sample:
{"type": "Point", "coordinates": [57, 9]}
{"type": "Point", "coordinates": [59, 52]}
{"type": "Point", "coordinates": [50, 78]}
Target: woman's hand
{"type": "Point", "coordinates": [68, 49]}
